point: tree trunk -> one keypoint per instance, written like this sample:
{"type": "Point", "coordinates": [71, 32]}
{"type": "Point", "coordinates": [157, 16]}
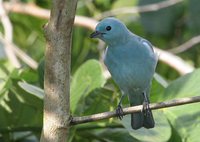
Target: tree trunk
{"type": "Point", "coordinates": [58, 33]}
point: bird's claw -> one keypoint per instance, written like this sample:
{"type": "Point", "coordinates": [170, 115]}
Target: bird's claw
{"type": "Point", "coordinates": [119, 112]}
{"type": "Point", "coordinates": [146, 109]}
{"type": "Point", "coordinates": [70, 119]}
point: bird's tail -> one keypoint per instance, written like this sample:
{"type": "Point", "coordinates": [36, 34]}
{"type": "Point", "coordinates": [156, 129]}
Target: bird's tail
{"type": "Point", "coordinates": [142, 118]}
{"type": "Point", "coordinates": [148, 120]}
{"type": "Point", "coordinates": [139, 119]}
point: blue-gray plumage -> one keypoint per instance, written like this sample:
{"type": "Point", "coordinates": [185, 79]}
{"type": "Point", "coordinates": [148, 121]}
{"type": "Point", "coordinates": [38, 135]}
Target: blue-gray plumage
{"type": "Point", "coordinates": [131, 61]}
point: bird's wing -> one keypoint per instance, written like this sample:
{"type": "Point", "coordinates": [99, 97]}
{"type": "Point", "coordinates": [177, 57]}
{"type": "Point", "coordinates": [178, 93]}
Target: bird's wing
{"type": "Point", "coordinates": [149, 46]}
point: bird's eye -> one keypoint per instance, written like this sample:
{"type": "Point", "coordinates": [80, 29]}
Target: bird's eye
{"type": "Point", "coordinates": [108, 28]}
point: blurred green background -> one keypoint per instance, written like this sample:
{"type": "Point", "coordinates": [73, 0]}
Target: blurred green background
{"type": "Point", "coordinates": [21, 89]}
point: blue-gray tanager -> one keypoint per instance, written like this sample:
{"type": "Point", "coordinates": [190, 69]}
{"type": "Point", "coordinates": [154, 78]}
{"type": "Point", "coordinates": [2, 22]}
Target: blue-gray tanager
{"type": "Point", "coordinates": [131, 61]}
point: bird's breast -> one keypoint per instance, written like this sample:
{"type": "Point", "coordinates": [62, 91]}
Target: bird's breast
{"type": "Point", "coordinates": [128, 69]}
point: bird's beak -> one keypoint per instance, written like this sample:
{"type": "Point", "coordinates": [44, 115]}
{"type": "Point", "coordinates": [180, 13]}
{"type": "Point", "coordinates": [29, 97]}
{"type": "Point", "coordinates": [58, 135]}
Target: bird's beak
{"type": "Point", "coordinates": [96, 34]}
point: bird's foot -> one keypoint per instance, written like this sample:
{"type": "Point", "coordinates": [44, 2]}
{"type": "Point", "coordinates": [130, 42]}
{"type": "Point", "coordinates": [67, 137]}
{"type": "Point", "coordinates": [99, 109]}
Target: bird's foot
{"type": "Point", "coordinates": [70, 119]}
{"type": "Point", "coordinates": [119, 112]}
{"type": "Point", "coordinates": [146, 109]}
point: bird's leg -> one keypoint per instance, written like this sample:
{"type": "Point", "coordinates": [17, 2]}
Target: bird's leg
{"type": "Point", "coordinates": [146, 109]}
{"type": "Point", "coordinates": [119, 110]}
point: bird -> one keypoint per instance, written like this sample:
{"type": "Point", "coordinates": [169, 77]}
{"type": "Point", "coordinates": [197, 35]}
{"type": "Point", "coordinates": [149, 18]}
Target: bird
{"type": "Point", "coordinates": [131, 61]}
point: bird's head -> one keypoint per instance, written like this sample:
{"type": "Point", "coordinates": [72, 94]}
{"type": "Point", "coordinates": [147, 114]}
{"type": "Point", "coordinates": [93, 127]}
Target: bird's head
{"type": "Point", "coordinates": [110, 30]}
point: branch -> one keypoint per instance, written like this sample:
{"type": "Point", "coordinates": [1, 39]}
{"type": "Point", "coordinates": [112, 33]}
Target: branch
{"type": "Point", "coordinates": [8, 36]}
{"type": "Point", "coordinates": [129, 110]}
{"type": "Point", "coordinates": [58, 33]}
{"type": "Point", "coordinates": [174, 61]}
{"type": "Point", "coordinates": [21, 54]}
{"type": "Point", "coordinates": [187, 45]}
{"type": "Point", "coordinates": [30, 9]}
{"type": "Point", "coordinates": [138, 9]}
{"type": "Point", "coordinates": [36, 11]}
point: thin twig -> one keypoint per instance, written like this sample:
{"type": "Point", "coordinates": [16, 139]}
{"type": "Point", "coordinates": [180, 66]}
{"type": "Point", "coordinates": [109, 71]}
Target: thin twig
{"type": "Point", "coordinates": [30, 9]}
{"type": "Point", "coordinates": [187, 45]}
{"type": "Point", "coordinates": [85, 22]}
{"type": "Point", "coordinates": [174, 61]}
{"type": "Point", "coordinates": [21, 54]}
{"type": "Point", "coordinates": [129, 110]}
{"type": "Point", "coordinates": [36, 11]}
{"type": "Point", "coordinates": [8, 34]}
{"type": "Point", "coordinates": [138, 9]}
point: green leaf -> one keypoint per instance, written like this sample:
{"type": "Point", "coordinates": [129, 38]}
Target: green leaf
{"type": "Point", "coordinates": [34, 90]}
{"type": "Point", "coordinates": [185, 86]}
{"type": "Point", "coordinates": [184, 118]}
{"type": "Point", "coordinates": [117, 135]}
{"type": "Point", "coordinates": [88, 77]}
{"type": "Point", "coordinates": [17, 113]}
{"type": "Point", "coordinates": [175, 137]}
{"type": "Point", "coordinates": [99, 100]}
{"type": "Point", "coordinates": [29, 75]}
{"type": "Point", "coordinates": [160, 133]}
{"type": "Point", "coordinates": [157, 88]}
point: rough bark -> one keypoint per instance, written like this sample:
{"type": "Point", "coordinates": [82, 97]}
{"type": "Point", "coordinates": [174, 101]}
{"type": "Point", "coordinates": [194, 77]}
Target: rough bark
{"type": "Point", "coordinates": [58, 33]}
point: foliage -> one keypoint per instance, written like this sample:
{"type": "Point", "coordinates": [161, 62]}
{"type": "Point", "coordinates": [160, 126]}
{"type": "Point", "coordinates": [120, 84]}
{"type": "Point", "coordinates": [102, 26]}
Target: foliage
{"type": "Point", "coordinates": [21, 90]}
